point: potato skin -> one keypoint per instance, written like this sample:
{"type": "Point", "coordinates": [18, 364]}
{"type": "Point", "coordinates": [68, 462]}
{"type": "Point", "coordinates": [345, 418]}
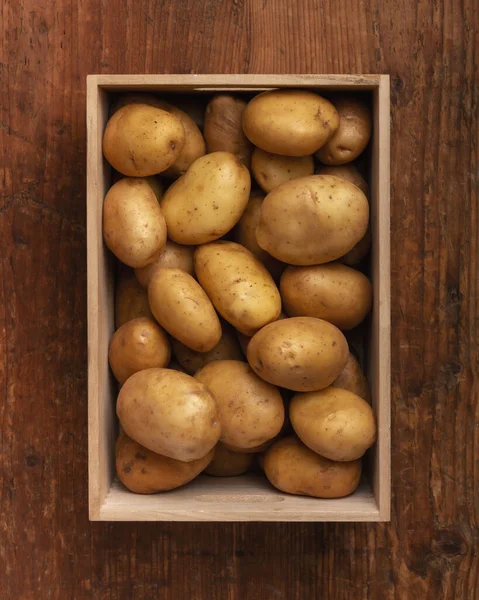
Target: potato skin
{"type": "Point", "coordinates": [134, 228]}
{"type": "Point", "coordinates": [353, 379]}
{"type": "Point", "coordinates": [271, 170]}
{"type": "Point", "coordinates": [136, 345]}
{"type": "Point", "coordinates": [169, 413]}
{"type": "Point", "coordinates": [173, 256]}
{"type": "Point", "coordinates": [333, 292]}
{"type": "Point", "coordinates": [352, 135]}
{"type": "Point", "coordinates": [312, 220]}
{"type": "Point", "coordinates": [300, 354]}
{"type": "Point", "coordinates": [227, 463]}
{"type": "Point", "coordinates": [289, 122]}
{"type": "Point", "coordinates": [208, 201]}
{"type": "Point", "coordinates": [240, 287]}
{"type": "Point", "coordinates": [334, 423]}
{"type": "Point", "coordinates": [223, 127]}
{"type": "Point", "coordinates": [131, 300]}
{"type": "Point", "coordinates": [145, 472]}
{"type": "Point", "coordinates": [142, 140]}
{"type": "Point", "coordinates": [180, 305]}
{"type": "Point", "coordinates": [295, 469]}
{"type": "Point", "coordinates": [250, 410]}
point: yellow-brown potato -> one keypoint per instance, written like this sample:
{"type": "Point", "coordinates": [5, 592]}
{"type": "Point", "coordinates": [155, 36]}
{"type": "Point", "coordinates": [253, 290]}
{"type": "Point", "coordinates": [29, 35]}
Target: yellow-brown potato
{"type": "Point", "coordinates": [142, 140]}
{"type": "Point", "coordinates": [137, 345]}
{"type": "Point", "coordinates": [271, 170]}
{"type": "Point", "coordinates": [208, 201]}
{"type": "Point", "coordinates": [356, 254]}
{"type": "Point", "coordinates": [250, 410]}
{"type": "Point", "coordinates": [131, 300]}
{"type": "Point", "coordinates": [226, 349]}
{"type": "Point", "coordinates": [312, 220]}
{"type": "Point", "coordinates": [172, 256]}
{"type": "Point", "coordinates": [239, 286]}
{"type": "Point", "coordinates": [153, 181]}
{"type": "Point", "coordinates": [289, 122]}
{"type": "Point", "coordinates": [293, 468]}
{"type": "Point", "coordinates": [134, 228]}
{"type": "Point", "coordinates": [169, 413]}
{"type": "Point", "coordinates": [245, 339]}
{"type": "Point", "coordinates": [245, 234]}
{"type": "Point", "coordinates": [180, 305]}
{"type": "Point", "coordinates": [333, 292]}
{"type": "Point", "coordinates": [334, 423]}
{"type": "Point", "coordinates": [227, 463]}
{"type": "Point", "coordinates": [353, 379]}
{"type": "Point", "coordinates": [352, 135]}
{"type": "Point", "coordinates": [224, 127]}
{"type": "Point", "coordinates": [145, 472]}
{"type": "Point", "coordinates": [301, 353]}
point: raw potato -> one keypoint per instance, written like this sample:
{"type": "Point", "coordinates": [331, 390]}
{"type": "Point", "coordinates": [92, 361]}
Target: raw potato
{"type": "Point", "coordinates": [333, 292]}
{"type": "Point", "coordinates": [208, 200]}
{"type": "Point", "coordinates": [312, 220]}
{"type": "Point", "coordinates": [239, 286]}
{"type": "Point", "coordinates": [352, 135]}
{"type": "Point", "coordinates": [289, 122]}
{"type": "Point", "coordinates": [227, 463]}
{"type": "Point", "coordinates": [293, 468]}
{"type": "Point", "coordinates": [173, 256]}
{"type": "Point", "coordinates": [334, 423]}
{"type": "Point", "coordinates": [226, 349]}
{"type": "Point", "coordinates": [137, 345]}
{"type": "Point", "coordinates": [131, 300]}
{"type": "Point", "coordinates": [356, 254]}
{"type": "Point", "coordinates": [245, 234]}
{"type": "Point", "coordinates": [169, 413]}
{"type": "Point", "coordinates": [353, 379]}
{"type": "Point", "coordinates": [250, 410]}
{"type": "Point", "coordinates": [156, 186]}
{"type": "Point", "coordinates": [134, 228]}
{"type": "Point", "coordinates": [181, 306]}
{"type": "Point", "coordinates": [301, 353]}
{"type": "Point", "coordinates": [142, 140]}
{"type": "Point", "coordinates": [271, 170]}
{"type": "Point", "coordinates": [224, 127]}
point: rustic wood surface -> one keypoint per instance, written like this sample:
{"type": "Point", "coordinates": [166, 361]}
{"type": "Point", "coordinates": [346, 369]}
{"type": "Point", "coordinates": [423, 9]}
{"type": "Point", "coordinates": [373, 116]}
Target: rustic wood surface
{"type": "Point", "coordinates": [48, 548]}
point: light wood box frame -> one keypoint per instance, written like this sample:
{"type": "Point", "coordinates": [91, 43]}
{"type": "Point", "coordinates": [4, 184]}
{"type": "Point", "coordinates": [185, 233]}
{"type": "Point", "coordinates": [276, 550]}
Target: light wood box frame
{"type": "Point", "coordinates": [247, 498]}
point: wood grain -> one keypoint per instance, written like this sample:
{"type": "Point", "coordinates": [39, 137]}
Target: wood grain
{"type": "Point", "coordinates": [48, 549]}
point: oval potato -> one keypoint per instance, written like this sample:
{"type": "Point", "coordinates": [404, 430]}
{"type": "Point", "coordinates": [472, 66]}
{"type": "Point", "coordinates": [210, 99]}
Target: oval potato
{"type": "Point", "coordinates": [301, 353]}
{"type": "Point", "coordinates": [173, 256]}
{"type": "Point", "coordinates": [131, 300]}
{"type": "Point", "coordinates": [353, 379]}
{"type": "Point", "coordinates": [239, 286]}
{"type": "Point", "coordinates": [271, 170]}
{"type": "Point", "coordinates": [227, 463]}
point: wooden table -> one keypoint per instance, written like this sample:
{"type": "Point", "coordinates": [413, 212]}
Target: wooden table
{"type": "Point", "coordinates": [48, 548]}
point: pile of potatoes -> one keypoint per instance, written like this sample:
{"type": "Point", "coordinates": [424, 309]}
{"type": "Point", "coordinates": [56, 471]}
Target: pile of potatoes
{"type": "Point", "coordinates": [237, 226]}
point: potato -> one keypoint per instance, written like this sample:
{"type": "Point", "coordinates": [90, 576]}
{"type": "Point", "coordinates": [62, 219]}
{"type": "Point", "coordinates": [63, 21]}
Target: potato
{"type": "Point", "coordinates": [245, 234]}
{"type": "Point", "coordinates": [352, 135]}
{"type": "Point", "coordinates": [156, 186]}
{"type": "Point", "coordinates": [227, 463]}
{"type": "Point", "coordinates": [137, 345]}
{"type": "Point", "coordinates": [353, 379]}
{"type": "Point", "coordinates": [208, 200]}
{"type": "Point", "coordinates": [253, 450]}
{"type": "Point", "coordinates": [180, 305]}
{"type": "Point", "coordinates": [300, 354]}
{"type": "Point", "coordinates": [293, 468]}
{"type": "Point", "coordinates": [131, 300]}
{"type": "Point", "coordinates": [226, 349]}
{"type": "Point", "coordinates": [312, 220]}
{"type": "Point", "coordinates": [333, 292]}
{"type": "Point", "coordinates": [169, 413]}
{"type": "Point", "coordinates": [289, 122]}
{"type": "Point", "coordinates": [142, 140]}
{"type": "Point", "coordinates": [271, 170]}
{"type": "Point", "coordinates": [173, 256]}
{"type": "Point", "coordinates": [334, 423]}
{"type": "Point", "coordinates": [356, 254]}
{"type": "Point", "coordinates": [349, 173]}
{"type": "Point", "coordinates": [224, 127]}
{"type": "Point", "coordinates": [145, 472]}
{"type": "Point", "coordinates": [250, 410]}
{"type": "Point", "coordinates": [134, 228]}
{"type": "Point", "coordinates": [239, 286]}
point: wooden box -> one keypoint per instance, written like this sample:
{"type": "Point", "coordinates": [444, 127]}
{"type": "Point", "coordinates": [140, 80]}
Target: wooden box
{"type": "Point", "coordinates": [249, 497]}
